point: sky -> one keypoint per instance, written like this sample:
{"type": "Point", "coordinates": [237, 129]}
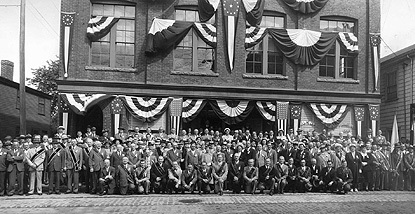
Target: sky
{"type": "Point", "coordinates": [42, 30]}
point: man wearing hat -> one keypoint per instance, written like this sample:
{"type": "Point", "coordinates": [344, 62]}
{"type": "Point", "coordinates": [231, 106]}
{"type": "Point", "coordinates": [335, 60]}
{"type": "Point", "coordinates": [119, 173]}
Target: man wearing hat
{"type": "Point", "coordinates": [21, 139]}
{"type": "Point", "coordinates": [55, 162]}
{"type": "Point", "coordinates": [302, 154]}
{"type": "Point", "coordinates": [73, 165]}
{"type": "Point", "coordinates": [354, 162]}
{"type": "Point", "coordinates": [4, 150]}
{"type": "Point", "coordinates": [28, 139]}
{"type": "Point", "coordinates": [227, 136]}
{"type": "Point", "coordinates": [410, 166]}
{"type": "Point", "coordinates": [299, 135]}
{"type": "Point", "coordinates": [15, 158]}
{"type": "Point", "coordinates": [35, 160]}
{"type": "Point", "coordinates": [386, 166]}
{"type": "Point", "coordinates": [104, 138]}
{"type": "Point", "coordinates": [121, 135]}
{"type": "Point", "coordinates": [61, 131]}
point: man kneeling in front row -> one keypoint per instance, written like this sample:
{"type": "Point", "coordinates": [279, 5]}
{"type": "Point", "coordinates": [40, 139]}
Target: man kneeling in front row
{"type": "Point", "coordinates": [124, 177]}
{"type": "Point", "coordinates": [142, 177]}
{"type": "Point", "coordinates": [343, 178]}
{"type": "Point", "coordinates": [106, 179]}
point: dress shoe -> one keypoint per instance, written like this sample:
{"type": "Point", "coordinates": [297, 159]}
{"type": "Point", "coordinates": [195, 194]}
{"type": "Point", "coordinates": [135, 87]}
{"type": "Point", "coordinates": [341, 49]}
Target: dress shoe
{"type": "Point", "coordinates": [68, 192]}
{"type": "Point", "coordinates": [40, 193]}
{"type": "Point", "coordinates": [58, 193]}
{"type": "Point", "coordinates": [271, 193]}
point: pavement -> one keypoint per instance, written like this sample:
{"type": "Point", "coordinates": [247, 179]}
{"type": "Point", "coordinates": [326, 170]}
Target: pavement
{"type": "Point", "coordinates": [361, 202]}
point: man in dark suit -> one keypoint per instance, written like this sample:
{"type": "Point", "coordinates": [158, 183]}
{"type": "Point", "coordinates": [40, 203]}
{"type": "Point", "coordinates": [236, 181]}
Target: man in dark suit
{"type": "Point", "coordinates": [96, 163]}
{"type": "Point", "coordinates": [343, 178]}
{"type": "Point", "coordinates": [142, 177]}
{"type": "Point", "coordinates": [304, 177]}
{"type": "Point", "coordinates": [327, 176]}
{"type": "Point", "coordinates": [55, 162]}
{"type": "Point", "coordinates": [193, 156]}
{"type": "Point", "coordinates": [267, 177]}
{"type": "Point", "coordinates": [315, 175]}
{"type": "Point", "coordinates": [250, 176]}
{"type": "Point", "coordinates": [281, 176]}
{"type": "Point", "coordinates": [4, 150]}
{"type": "Point", "coordinates": [189, 179]}
{"type": "Point", "coordinates": [87, 176]}
{"type": "Point", "coordinates": [292, 176]}
{"type": "Point", "coordinates": [236, 169]}
{"type": "Point", "coordinates": [302, 154]}
{"type": "Point", "coordinates": [73, 164]}
{"type": "Point", "coordinates": [116, 157]}
{"type": "Point", "coordinates": [354, 162]}
{"type": "Point", "coordinates": [158, 175]}
{"type": "Point", "coordinates": [204, 177]}
{"type": "Point", "coordinates": [250, 152]}
{"type": "Point", "coordinates": [107, 179]}
{"type": "Point", "coordinates": [173, 155]}
{"type": "Point", "coordinates": [124, 177]}
{"type": "Point", "coordinates": [15, 169]}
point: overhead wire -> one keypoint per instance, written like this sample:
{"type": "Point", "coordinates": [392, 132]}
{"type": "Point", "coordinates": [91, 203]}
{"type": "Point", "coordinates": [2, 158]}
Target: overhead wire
{"type": "Point", "coordinates": [44, 18]}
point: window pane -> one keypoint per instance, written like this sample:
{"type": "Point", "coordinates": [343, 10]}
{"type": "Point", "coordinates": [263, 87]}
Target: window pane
{"type": "Point", "coordinates": [95, 48]}
{"type": "Point", "coordinates": [106, 38]}
{"type": "Point", "coordinates": [324, 25]}
{"type": "Point", "coordinates": [204, 57]}
{"type": "Point", "coordinates": [180, 15]}
{"type": "Point", "coordinates": [190, 16]}
{"type": "Point", "coordinates": [121, 24]}
{"type": "Point", "coordinates": [120, 36]}
{"type": "Point", "coordinates": [129, 11]}
{"type": "Point", "coordinates": [332, 26]}
{"type": "Point", "coordinates": [129, 61]}
{"type": "Point", "coordinates": [120, 48]}
{"type": "Point", "coordinates": [330, 72]}
{"type": "Point", "coordinates": [120, 61]}
{"type": "Point", "coordinates": [129, 25]}
{"type": "Point", "coordinates": [108, 10]}
{"type": "Point", "coordinates": [105, 47]}
{"type": "Point", "coordinates": [258, 68]}
{"type": "Point", "coordinates": [119, 11]}
{"type": "Point", "coordinates": [183, 59]}
{"type": "Point", "coordinates": [279, 22]}
{"type": "Point", "coordinates": [129, 49]}
{"type": "Point", "coordinates": [249, 67]}
{"type": "Point", "coordinates": [271, 68]}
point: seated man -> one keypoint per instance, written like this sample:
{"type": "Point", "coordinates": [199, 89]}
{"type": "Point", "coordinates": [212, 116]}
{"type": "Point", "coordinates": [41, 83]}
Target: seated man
{"type": "Point", "coordinates": [304, 176]}
{"type": "Point", "coordinates": [220, 173]}
{"type": "Point", "coordinates": [236, 168]}
{"type": "Point", "coordinates": [315, 175]}
{"type": "Point", "coordinates": [343, 178]}
{"type": "Point", "coordinates": [250, 176]}
{"type": "Point", "coordinates": [292, 176]}
{"type": "Point", "coordinates": [124, 177]}
{"type": "Point", "coordinates": [204, 176]}
{"type": "Point", "coordinates": [327, 176]}
{"type": "Point", "coordinates": [189, 178]}
{"type": "Point", "coordinates": [174, 182]}
{"type": "Point", "coordinates": [267, 177]}
{"type": "Point", "coordinates": [142, 177]}
{"type": "Point", "coordinates": [158, 175]}
{"type": "Point", "coordinates": [106, 179]}
{"type": "Point", "coordinates": [281, 176]}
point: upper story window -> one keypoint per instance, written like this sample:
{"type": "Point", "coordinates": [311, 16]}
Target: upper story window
{"type": "Point", "coordinates": [41, 106]}
{"type": "Point", "coordinates": [116, 49]}
{"type": "Point", "coordinates": [192, 53]}
{"type": "Point", "coordinates": [265, 58]}
{"type": "Point", "coordinates": [338, 63]}
{"type": "Point", "coordinates": [391, 86]}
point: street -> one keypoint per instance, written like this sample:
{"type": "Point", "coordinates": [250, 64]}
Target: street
{"type": "Point", "coordinates": [361, 202]}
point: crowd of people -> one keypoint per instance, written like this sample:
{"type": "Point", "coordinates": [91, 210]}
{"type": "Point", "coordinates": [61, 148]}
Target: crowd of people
{"type": "Point", "coordinates": [202, 161]}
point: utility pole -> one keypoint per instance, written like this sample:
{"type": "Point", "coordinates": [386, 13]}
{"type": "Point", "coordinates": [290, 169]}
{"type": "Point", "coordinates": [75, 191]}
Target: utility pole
{"type": "Point", "coordinates": [22, 85]}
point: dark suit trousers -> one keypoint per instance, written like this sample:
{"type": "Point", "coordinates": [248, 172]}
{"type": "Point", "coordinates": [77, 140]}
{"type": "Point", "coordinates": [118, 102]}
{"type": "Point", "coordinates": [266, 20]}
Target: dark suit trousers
{"type": "Point", "coordinates": [13, 175]}
{"type": "Point", "coordinates": [73, 180]}
{"type": "Point", "coordinates": [2, 183]}
{"type": "Point", "coordinates": [236, 185]}
{"type": "Point", "coordinates": [95, 177]}
{"type": "Point", "coordinates": [54, 181]}
{"type": "Point", "coordinates": [86, 174]}
{"type": "Point", "coordinates": [107, 185]}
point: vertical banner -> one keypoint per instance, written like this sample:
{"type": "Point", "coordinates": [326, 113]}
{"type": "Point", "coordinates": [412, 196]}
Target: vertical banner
{"type": "Point", "coordinates": [116, 108]}
{"type": "Point", "coordinates": [282, 116]}
{"type": "Point", "coordinates": [375, 43]}
{"type": "Point", "coordinates": [374, 117]}
{"type": "Point", "coordinates": [176, 114]}
{"type": "Point", "coordinates": [359, 115]}
{"type": "Point", "coordinates": [65, 114]}
{"type": "Point", "coordinates": [67, 20]}
{"type": "Point", "coordinates": [230, 16]}
{"type": "Point", "coordinates": [295, 113]}
{"type": "Point", "coordinates": [395, 133]}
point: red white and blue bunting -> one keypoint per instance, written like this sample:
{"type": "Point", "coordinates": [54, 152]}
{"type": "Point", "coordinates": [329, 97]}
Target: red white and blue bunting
{"type": "Point", "coordinates": [80, 103]}
{"type": "Point", "coordinates": [207, 9]}
{"type": "Point", "coordinates": [67, 20]}
{"type": "Point", "coordinates": [100, 26]}
{"type": "Point", "coordinates": [375, 43]}
{"type": "Point", "coordinates": [254, 35]}
{"type": "Point", "coordinates": [191, 108]}
{"type": "Point", "coordinates": [306, 6]}
{"type": "Point", "coordinates": [230, 14]}
{"type": "Point", "coordinates": [330, 114]}
{"type": "Point", "coordinates": [207, 32]}
{"type": "Point", "coordinates": [146, 109]}
{"type": "Point", "coordinates": [267, 110]}
{"type": "Point", "coordinates": [349, 41]}
{"type": "Point", "coordinates": [231, 112]}
{"type": "Point", "coordinates": [254, 10]}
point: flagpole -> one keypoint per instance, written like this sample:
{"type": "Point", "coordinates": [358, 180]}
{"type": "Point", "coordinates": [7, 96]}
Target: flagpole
{"type": "Point", "coordinates": [22, 85]}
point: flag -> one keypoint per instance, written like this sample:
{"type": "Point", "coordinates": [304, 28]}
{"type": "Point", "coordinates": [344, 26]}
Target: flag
{"type": "Point", "coordinates": [67, 20]}
{"type": "Point", "coordinates": [295, 111]}
{"type": "Point", "coordinates": [207, 9]}
{"type": "Point", "coordinates": [329, 114]}
{"type": "Point", "coordinates": [63, 106]}
{"type": "Point", "coordinates": [375, 42]}
{"type": "Point", "coordinates": [395, 134]}
{"type": "Point", "coordinates": [99, 26]}
{"type": "Point", "coordinates": [230, 14]}
{"type": "Point", "coordinates": [374, 112]}
{"type": "Point", "coordinates": [359, 115]}
{"type": "Point", "coordinates": [254, 10]}
{"type": "Point", "coordinates": [176, 114]}
{"type": "Point", "coordinates": [282, 116]}
{"type": "Point", "coordinates": [116, 106]}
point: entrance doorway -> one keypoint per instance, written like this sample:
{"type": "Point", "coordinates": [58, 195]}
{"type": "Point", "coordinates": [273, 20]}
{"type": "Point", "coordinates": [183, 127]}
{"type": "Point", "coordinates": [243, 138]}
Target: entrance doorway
{"type": "Point", "coordinates": [93, 118]}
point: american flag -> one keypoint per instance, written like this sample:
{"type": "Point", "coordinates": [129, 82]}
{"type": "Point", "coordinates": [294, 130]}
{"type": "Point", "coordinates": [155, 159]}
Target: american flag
{"type": "Point", "coordinates": [231, 7]}
{"type": "Point", "coordinates": [116, 106]}
{"type": "Point", "coordinates": [282, 116]}
{"type": "Point", "coordinates": [176, 114]}
{"type": "Point", "coordinates": [64, 107]}
{"type": "Point", "coordinates": [231, 11]}
{"type": "Point", "coordinates": [295, 111]}
{"type": "Point", "coordinates": [359, 113]}
{"type": "Point", "coordinates": [374, 112]}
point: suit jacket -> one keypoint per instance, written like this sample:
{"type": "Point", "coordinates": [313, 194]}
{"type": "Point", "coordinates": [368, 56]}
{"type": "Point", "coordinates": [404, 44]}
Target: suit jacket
{"type": "Point", "coordinates": [178, 172]}
{"type": "Point", "coordinates": [172, 156]}
{"type": "Point", "coordinates": [220, 174]}
{"type": "Point", "coordinates": [57, 163]}
{"type": "Point", "coordinates": [263, 173]}
{"type": "Point", "coordinates": [315, 170]}
{"type": "Point", "coordinates": [250, 154]}
{"type": "Point", "coordinates": [304, 173]}
{"type": "Point", "coordinates": [159, 171]}
{"type": "Point", "coordinates": [345, 174]}
{"type": "Point", "coordinates": [302, 155]}
{"type": "Point", "coordinates": [38, 161]}
{"type": "Point", "coordinates": [86, 153]}
{"type": "Point", "coordinates": [282, 171]}
{"type": "Point", "coordinates": [124, 175]}
{"type": "Point", "coordinates": [3, 159]}
{"type": "Point", "coordinates": [409, 161]}
{"type": "Point", "coordinates": [272, 154]}
{"type": "Point", "coordinates": [228, 155]}
{"type": "Point", "coordinates": [110, 171]}
{"type": "Point", "coordinates": [188, 177]}
{"type": "Point", "coordinates": [134, 157]}
{"type": "Point", "coordinates": [142, 173]}
{"type": "Point", "coordinates": [354, 163]}
{"type": "Point", "coordinates": [96, 159]}
{"type": "Point", "coordinates": [194, 159]}
{"type": "Point", "coordinates": [205, 174]}
{"type": "Point", "coordinates": [292, 172]}
{"type": "Point", "coordinates": [260, 158]}
{"type": "Point", "coordinates": [397, 161]}
{"type": "Point", "coordinates": [69, 162]}
{"type": "Point", "coordinates": [116, 159]}
{"type": "Point", "coordinates": [327, 174]}
{"type": "Point", "coordinates": [17, 161]}
{"type": "Point", "coordinates": [236, 170]}
{"type": "Point", "coordinates": [247, 172]}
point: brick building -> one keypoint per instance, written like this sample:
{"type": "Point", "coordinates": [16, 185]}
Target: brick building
{"type": "Point", "coordinates": [37, 106]}
{"type": "Point", "coordinates": [397, 81]}
{"type": "Point", "coordinates": [116, 65]}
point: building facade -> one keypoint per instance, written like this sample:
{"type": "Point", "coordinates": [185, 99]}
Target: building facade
{"type": "Point", "coordinates": [116, 65]}
{"type": "Point", "coordinates": [397, 81]}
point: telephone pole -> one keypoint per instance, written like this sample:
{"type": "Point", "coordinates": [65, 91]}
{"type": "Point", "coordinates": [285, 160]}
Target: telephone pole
{"type": "Point", "coordinates": [22, 85]}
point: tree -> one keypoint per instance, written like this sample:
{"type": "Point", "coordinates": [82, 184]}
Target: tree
{"type": "Point", "coordinates": [44, 79]}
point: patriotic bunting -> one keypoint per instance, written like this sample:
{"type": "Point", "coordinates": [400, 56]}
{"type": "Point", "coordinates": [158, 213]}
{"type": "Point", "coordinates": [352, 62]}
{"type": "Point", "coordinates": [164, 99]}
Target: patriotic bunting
{"type": "Point", "coordinates": [191, 108]}
{"type": "Point", "coordinates": [176, 114]}
{"type": "Point", "coordinates": [63, 106]}
{"type": "Point", "coordinates": [80, 103]}
{"type": "Point", "coordinates": [165, 34]}
{"type": "Point", "coordinates": [303, 47]}
{"type": "Point", "coordinates": [359, 115]}
{"type": "Point", "coordinates": [254, 35]}
{"type": "Point", "coordinates": [375, 42]}
{"type": "Point", "coordinates": [207, 9]}
{"type": "Point", "coordinates": [146, 109]}
{"type": "Point", "coordinates": [254, 10]}
{"type": "Point", "coordinates": [295, 114]}
{"type": "Point", "coordinates": [306, 6]}
{"type": "Point", "coordinates": [374, 112]}
{"type": "Point", "coordinates": [116, 106]}
{"type": "Point", "coordinates": [99, 26]}
{"type": "Point", "coordinates": [349, 41]}
{"type": "Point", "coordinates": [282, 116]}
{"type": "Point", "coordinates": [67, 20]}
{"type": "Point", "coordinates": [231, 112]}
{"type": "Point", "coordinates": [207, 32]}
{"type": "Point", "coordinates": [230, 15]}
{"type": "Point", "coordinates": [329, 114]}
{"type": "Point", "coordinates": [267, 110]}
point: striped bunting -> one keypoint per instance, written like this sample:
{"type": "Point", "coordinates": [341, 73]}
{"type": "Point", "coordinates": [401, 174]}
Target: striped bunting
{"type": "Point", "coordinates": [80, 103]}
{"type": "Point", "coordinates": [329, 114]}
{"type": "Point", "coordinates": [349, 40]}
{"type": "Point", "coordinates": [254, 35]}
{"type": "Point", "coordinates": [191, 108]}
{"type": "Point", "coordinates": [207, 32]}
{"type": "Point", "coordinates": [99, 27]}
{"type": "Point", "coordinates": [146, 109]}
{"type": "Point", "coordinates": [267, 110]}
{"type": "Point", "coordinates": [231, 112]}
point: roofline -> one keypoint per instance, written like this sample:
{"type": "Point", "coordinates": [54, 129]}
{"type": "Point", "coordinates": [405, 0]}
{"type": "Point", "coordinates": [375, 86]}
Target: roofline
{"type": "Point", "coordinates": [399, 55]}
{"type": "Point", "coordinates": [5, 81]}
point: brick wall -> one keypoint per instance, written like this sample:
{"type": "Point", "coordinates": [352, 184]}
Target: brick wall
{"type": "Point", "coordinates": [7, 69]}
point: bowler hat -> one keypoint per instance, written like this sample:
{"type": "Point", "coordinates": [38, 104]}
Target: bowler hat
{"type": "Point", "coordinates": [61, 127]}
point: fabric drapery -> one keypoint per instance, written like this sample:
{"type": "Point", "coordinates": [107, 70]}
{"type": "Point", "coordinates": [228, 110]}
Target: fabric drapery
{"type": "Point", "coordinates": [254, 10]}
{"type": "Point", "coordinates": [146, 109]}
{"type": "Point", "coordinates": [207, 9]}
{"type": "Point", "coordinates": [267, 110]}
{"type": "Point", "coordinates": [330, 114]}
{"type": "Point", "coordinates": [231, 112]}
{"type": "Point", "coordinates": [254, 35]}
{"type": "Point", "coordinates": [80, 103]}
{"type": "Point", "coordinates": [100, 26]}
{"type": "Point", "coordinates": [207, 32]}
{"type": "Point", "coordinates": [306, 6]}
{"type": "Point", "coordinates": [349, 41]}
{"type": "Point", "coordinates": [191, 108]}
